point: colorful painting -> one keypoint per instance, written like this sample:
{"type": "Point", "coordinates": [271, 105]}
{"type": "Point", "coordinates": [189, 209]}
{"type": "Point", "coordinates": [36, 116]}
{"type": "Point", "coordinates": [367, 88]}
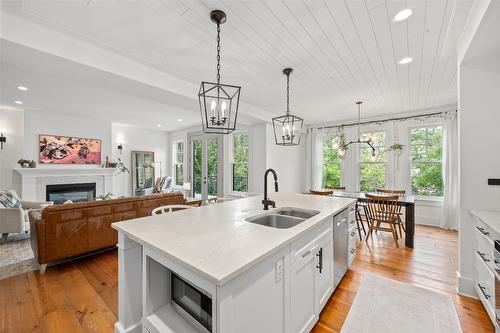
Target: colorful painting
{"type": "Point", "coordinates": [69, 150]}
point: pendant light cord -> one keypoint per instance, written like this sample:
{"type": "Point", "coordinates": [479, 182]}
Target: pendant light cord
{"type": "Point", "coordinates": [218, 53]}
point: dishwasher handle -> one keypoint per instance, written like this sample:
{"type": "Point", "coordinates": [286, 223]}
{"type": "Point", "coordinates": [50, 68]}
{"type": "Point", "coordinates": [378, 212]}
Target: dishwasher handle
{"type": "Point", "coordinates": [344, 220]}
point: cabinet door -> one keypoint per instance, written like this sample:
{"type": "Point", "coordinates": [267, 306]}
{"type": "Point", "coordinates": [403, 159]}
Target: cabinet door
{"type": "Point", "coordinates": [302, 297]}
{"type": "Point", "coordinates": [324, 271]}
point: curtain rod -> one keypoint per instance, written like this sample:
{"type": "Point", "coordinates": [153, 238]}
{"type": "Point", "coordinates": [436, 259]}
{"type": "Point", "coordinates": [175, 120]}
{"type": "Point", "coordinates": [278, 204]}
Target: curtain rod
{"type": "Point", "coordinates": [387, 120]}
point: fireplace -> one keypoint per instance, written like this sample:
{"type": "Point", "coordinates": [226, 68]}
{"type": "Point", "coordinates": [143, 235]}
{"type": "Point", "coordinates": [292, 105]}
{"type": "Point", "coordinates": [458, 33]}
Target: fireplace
{"type": "Point", "coordinates": [60, 193]}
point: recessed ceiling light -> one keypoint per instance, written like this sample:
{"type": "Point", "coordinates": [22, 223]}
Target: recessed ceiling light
{"type": "Point", "coordinates": [18, 102]}
{"type": "Point", "coordinates": [22, 88]}
{"type": "Point", "coordinates": [405, 61]}
{"type": "Point", "coordinates": [159, 125]}
{"type": "Point", "coordinates": [179, 120]}
{"type": "Point", "coordinates": [402, 15]}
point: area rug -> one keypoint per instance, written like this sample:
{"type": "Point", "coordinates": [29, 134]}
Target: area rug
{"type": "Point", "coordinates": [386, 306]}
{"type": "Point", "coordinates": [16, 256]}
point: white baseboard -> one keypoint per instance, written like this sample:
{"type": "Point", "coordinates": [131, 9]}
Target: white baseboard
{"type": "Point", "coordinates": [137, 328]}
{"type": "Point", "coordinates": [465, 286]}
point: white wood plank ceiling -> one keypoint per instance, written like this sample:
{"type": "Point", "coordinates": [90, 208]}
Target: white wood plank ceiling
{"type": "Point", "coordinates": [341, 51]}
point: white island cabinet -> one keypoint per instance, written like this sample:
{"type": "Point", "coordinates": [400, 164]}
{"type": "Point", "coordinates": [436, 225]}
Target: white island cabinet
{"type": "Point", "coordinates": [208, 269]}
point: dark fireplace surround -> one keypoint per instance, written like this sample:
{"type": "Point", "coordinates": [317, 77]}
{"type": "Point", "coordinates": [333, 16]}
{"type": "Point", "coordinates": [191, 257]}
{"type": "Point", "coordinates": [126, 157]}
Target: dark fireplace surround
{"type": "Point", "coordinates": [60, 193]}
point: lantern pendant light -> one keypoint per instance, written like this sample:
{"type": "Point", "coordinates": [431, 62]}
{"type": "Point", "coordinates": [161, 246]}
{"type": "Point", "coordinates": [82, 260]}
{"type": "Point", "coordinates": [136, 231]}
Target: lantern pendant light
{"type": "Point", "coordinates": [218, 102]}
{"type": "Point", "coordinates": [287, 128]}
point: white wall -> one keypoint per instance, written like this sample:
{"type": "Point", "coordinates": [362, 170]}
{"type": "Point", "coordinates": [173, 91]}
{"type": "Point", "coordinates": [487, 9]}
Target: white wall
{"type": "Point", "coordinates": [288, 162]}
{"type": "Point", "coordinates": [133, 139]}
{"type": "Point", "coordinates": [479, 122]}
{"type": "Point", "coordinates": [41, 122]}
{"type": "Point", "coordinates": [12, 127]}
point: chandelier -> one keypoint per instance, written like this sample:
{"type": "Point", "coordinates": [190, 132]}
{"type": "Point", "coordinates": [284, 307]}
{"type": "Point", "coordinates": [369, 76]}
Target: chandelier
{"type": "Point", "coordinates": [218, 102]}
{"type": "Point", "coordinates": [343, 146]}
{"type": "Point", "coordinates": [287, 128]}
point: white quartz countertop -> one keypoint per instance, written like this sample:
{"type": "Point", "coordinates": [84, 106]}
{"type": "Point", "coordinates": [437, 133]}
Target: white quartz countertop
{"type": "Point", "coordinates": [490, 217]}
{"type": "Point", "coordinates": [216, 242]}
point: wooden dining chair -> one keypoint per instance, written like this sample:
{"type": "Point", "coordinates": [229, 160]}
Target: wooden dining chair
{"type": "Point", "coordinates": [400, 214]}
{"type": "Point", "coordinates": [321, 192]}
{"type": "Point", "coordinates": [382, 211]}
{"type": "Point", "coordinates": [336, 188]}
{"type": "Point", "coordinates": [169, 209]}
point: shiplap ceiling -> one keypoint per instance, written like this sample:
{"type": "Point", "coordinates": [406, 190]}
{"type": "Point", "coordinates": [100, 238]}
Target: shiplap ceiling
{"type": "Point", "coordinates": [341, 51]}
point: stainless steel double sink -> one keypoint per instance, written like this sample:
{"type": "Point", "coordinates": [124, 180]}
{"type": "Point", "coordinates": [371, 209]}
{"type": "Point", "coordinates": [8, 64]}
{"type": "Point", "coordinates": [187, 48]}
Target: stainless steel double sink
{"type": "Point", "coordinates": [283, 218]}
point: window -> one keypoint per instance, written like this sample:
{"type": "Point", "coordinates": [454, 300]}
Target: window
{"type": "Point", "coordinates": [331, 161]}
{"type": "Point", "coordinates": [179, 162]}
{"type": "Point", "coordinates": [240, 162]}
{"type": "Point", "coordinates": [372, 170]}
{"type": "Point", "coordinates": [426, 164]}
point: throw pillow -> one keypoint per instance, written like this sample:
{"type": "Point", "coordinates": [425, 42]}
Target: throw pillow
{"type": "Point", "coordinates": [9, 199]}
{"type": "Point", "coordinates": [159, 184]}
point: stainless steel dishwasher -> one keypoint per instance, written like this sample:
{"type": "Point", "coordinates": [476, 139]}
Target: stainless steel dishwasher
{"type": "Point", "coordinates": [340, 245]}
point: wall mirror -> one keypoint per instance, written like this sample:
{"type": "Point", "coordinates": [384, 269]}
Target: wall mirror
{"type": "Point", "coordinates": [143, 170]}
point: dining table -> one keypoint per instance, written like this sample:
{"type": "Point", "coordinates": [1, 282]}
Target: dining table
{"type": "Point", "coordinates": [407, 201]}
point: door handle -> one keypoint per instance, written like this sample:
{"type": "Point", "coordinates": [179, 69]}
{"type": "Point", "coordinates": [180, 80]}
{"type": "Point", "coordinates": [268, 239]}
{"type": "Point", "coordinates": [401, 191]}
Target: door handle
{"type": "Point", "coordinates": [320, 262]}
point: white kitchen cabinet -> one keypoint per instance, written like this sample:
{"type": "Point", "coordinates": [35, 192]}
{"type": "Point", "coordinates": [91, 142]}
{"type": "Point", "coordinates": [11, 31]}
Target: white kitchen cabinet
{"type": "Point", "coordinates": [324, 271]}
{"type": "Point", "coordinates": [484, 261]}
{"type": "Point", "coordinates": [303, 313]}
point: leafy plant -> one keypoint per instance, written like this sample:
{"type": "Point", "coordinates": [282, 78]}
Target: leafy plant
{"type": "Point", "coordinates": [121, 167]}
{"type": "Point", "coordinates": [107, 196]}
{"type": "Point", "coordinates": [395, 147]}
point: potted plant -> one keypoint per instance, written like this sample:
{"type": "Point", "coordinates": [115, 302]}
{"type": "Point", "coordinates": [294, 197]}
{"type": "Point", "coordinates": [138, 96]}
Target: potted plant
{"type": "Point", "coordinates": [396, 148]}
{"type": "Point", "coordinates": [121, 167]}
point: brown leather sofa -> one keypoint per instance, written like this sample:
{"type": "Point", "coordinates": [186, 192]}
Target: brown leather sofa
{"type": "Point", "coordinates": [64, 231]}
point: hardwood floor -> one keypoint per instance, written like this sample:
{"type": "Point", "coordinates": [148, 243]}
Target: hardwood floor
{"type": "Point", "coordinates": [81, 296]}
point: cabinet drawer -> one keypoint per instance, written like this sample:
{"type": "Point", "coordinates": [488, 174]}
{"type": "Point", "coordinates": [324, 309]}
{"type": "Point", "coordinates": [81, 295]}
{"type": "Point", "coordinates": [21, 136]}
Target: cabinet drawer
{"type": "Point", "coordinates": [484, 248]}
{"type": "Point", "coordinates": [485, 229]}
{"type": "Point", "coordinates": [304, 243]}
{"type": "Point", "coordinates": [484, 283]}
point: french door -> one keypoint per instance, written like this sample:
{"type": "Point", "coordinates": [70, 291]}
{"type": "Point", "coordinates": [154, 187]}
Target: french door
{"type": "Point", "coordinates": [206, 166]}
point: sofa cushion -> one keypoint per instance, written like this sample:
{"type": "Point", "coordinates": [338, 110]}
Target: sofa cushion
{"type": "Point", "coordinates": [9, 199]}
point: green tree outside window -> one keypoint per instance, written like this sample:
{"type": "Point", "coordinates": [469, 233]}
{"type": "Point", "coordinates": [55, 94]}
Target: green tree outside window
{"type": "Point", "coordinates": [426, 148]}
{"type": "Point", "coordinates": [331, 161]}
{"type": "Point", "coordinates": [240, 162]}
{"type": "Point", "coordinates": [372, 171]}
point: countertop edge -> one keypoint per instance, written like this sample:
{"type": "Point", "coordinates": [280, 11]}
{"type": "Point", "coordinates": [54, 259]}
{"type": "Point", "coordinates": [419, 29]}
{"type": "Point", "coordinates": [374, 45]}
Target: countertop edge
{"type": "Point", "coordinates": [234, 274]}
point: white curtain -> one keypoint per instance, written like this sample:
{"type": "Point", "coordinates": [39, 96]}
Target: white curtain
{"type": "Point", "coordinates": [449, 218]}
{"type": "Point", "coordinates": [314, 159]}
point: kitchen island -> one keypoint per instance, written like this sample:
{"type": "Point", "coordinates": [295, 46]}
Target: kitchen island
{"type": "Point", "coordinates": [217, 268]}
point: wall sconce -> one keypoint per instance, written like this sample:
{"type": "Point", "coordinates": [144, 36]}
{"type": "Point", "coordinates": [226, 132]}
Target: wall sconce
{"type": "Point", "coordinates": [120, 148]}
{"type": "Point", "coordinates": [3, 139]}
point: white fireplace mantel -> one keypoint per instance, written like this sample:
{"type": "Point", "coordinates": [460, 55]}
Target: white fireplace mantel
{"type": "Point", "coordinates": [57, 172]}
{"type": "Point", "coordinates": [32, 182]}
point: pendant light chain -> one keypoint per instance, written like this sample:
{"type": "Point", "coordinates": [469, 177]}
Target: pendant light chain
{"type": "Point", "coordinates": [218, 53]}
{"type": "Point", "coordinates": [288, 94]}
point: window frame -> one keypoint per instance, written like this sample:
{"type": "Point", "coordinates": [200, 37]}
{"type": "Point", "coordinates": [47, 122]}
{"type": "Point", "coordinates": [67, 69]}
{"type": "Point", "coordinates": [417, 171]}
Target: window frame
{"type": "Point", "coordinates": [175, 163]}
{"type": "Point", "coordinates": [233, 163]}
{"type": "Point", "coordinates": [410, 162]}
{"type": "Point", "coordinates": [323, 163]}
{"type": "Point", "coordinates": [378, 149]}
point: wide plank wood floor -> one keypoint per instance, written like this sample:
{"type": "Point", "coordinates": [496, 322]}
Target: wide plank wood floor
{"type": "Point", "coordinates": [81, 296]}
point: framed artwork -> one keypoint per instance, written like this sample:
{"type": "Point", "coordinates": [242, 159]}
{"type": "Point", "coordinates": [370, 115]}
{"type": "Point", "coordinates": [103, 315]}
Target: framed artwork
{"type": "Point", "coordinates": [55, 149]}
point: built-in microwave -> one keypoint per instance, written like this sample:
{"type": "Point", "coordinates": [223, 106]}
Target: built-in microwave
{"type": "Point", "coordinates": [192, 303]}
